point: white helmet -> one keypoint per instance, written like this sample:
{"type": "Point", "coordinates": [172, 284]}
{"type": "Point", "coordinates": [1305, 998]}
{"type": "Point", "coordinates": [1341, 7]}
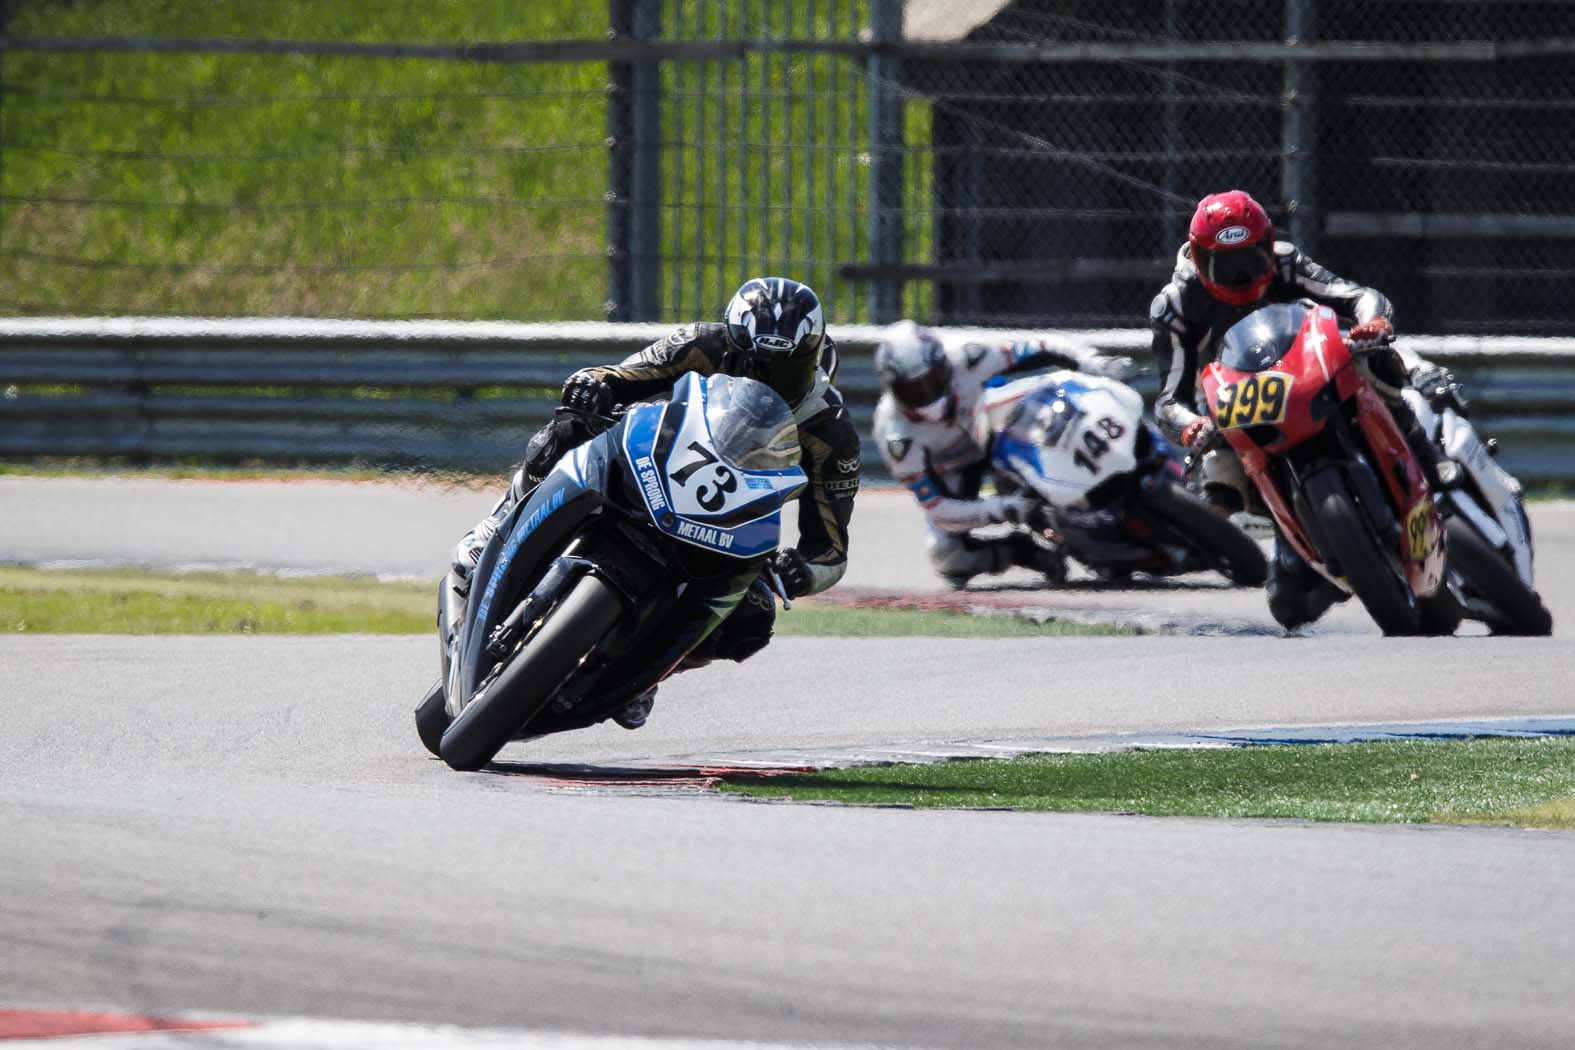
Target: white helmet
{"type": "Point", "coordinates": [913, 365]}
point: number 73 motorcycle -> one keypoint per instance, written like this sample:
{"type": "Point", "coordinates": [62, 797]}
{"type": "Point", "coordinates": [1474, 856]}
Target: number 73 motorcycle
{"type": "Point", "coordinates": [596, 585]}
{"type": "Point", "coordinates": [1105, 477]}
{"type": "Point", "coordinates": [1331, 464]}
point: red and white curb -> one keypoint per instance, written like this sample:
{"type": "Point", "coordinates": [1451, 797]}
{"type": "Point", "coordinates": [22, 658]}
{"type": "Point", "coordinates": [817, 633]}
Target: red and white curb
{"type": "Point", "coordinates": [81, 1030]}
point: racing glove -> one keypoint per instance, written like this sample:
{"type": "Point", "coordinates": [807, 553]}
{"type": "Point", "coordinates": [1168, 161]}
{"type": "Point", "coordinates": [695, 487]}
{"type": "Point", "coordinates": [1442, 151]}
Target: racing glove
{"type": "Point", "coordinates": [587, 395]}
{"type": "Point", "coordinates": [546, 445]}
{"type": "Point", "coordinates": [1016, 509]}
{"type": "Point", "coordinates": [1198, 433]}
{"type": "Point", "coordinates": [1114, 366]}
{"type": "Point", "coordinates": [1439, 388]}
{"type": "Point", "coordinates": [1370, 335]}
{"type": "Point", "coordinates": [793, 569]}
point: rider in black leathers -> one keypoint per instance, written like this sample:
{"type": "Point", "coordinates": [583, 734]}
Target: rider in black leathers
{"type": "Point", "coordinates": [1230, 266]}
{"type": "Point", "coordinates": [773, 331]}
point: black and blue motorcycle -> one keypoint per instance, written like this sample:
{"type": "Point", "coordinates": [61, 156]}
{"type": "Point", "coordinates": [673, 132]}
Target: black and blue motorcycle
{"type": "Point", "coordinates": [628, 555]}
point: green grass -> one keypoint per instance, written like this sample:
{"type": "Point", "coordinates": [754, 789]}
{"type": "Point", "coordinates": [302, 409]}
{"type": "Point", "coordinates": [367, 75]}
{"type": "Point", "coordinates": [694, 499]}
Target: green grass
{"type": "Point", "coordinates": [223, 184]}
{"type": "Point", "coordinates": [1529, 782]}
{"type": "Point", "coordinates": [259, 169]}
{"type": "Point", "coordinates": [131, 601]}
{"type": "Point", "coordinates": [116, 601]}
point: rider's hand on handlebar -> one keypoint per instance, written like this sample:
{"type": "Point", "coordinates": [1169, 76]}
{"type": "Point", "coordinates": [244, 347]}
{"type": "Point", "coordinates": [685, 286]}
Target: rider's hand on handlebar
{"type": "Point", "coordinates": [1016, 508]}
{"type": "Point", "coordinates": [1197, 434]}
{"type": "Point", "coordinates": [1439, 388]}
{"type": "Point", "coordinates": [792, 568]}
{"type": "Point", "coordinates": [1114, 366]}
{"type": "Point", "coordinates": [587, 395]}
{"type": "Point", "coordinates": [1371, 335]}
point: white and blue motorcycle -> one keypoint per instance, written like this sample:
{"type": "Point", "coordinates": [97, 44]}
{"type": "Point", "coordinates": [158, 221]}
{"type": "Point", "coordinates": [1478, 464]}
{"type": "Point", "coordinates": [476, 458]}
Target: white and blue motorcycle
{"type": "Point", "coordinates": [1112, 492]}
{"type": "Point", "coordinates": [629, 554]}
{"type": "Point", "coordinates": [1489, 570]}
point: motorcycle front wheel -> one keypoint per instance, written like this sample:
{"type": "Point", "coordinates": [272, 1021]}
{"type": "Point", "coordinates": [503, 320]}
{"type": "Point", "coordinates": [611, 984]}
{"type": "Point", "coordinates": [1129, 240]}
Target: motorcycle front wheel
{"type": "Point", "coordinates": [1487, 573]}
{"type": "Point", "coordinates": [1370, 569]}
{"type": "Point", "coordinates": [570, 631]}
{"type": "Point", "coordinates": [1230, 550]}
{"type": "Point", "coordinates": [432, 719]}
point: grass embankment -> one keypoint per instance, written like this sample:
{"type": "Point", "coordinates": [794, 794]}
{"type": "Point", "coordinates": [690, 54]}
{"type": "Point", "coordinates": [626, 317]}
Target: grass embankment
{"type": "Point", "coordinates": [263, 185]}
{"type": "Point", "coordinates": [283, 184]}
{"type": "Point", "coordinates": [1489, 781]}
{"type": "Point", "coordinates": [125, 601]}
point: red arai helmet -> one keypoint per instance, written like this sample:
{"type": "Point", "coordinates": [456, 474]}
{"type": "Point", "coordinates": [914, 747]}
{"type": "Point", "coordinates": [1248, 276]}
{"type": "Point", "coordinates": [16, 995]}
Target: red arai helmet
{"type": "Point", "coordinates": [1232, 242]}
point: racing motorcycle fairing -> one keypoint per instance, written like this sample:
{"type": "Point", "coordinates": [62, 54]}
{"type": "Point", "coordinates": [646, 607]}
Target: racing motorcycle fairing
{"type": "Point", "coordinates": [1081, 444]}
{"type": "Point", "coordinates": [708, 480]}
{"type": "Point", "coordinates": [1062, 433]}
{"type": "Point", "coordinates": [1489, 496]}
{"type": "Point", "coordinates": [532, 529]}
{"type": "Point", "coordinates": [1290, 399]}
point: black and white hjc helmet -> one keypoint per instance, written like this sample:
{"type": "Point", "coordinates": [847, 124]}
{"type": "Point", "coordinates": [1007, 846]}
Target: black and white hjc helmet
{"type": "Point", "coordinates": [775, 329]}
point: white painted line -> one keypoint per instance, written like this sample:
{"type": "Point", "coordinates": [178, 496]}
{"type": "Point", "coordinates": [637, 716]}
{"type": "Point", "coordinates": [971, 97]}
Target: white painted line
{"type": "Point", "coordinates": [340, 1035]}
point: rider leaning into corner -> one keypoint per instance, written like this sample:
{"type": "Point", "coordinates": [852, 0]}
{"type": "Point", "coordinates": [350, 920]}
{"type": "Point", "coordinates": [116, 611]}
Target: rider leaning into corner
{"type": "Point", "coordinates": [773, 330]}
{"type": "Point", "coordinates": [1230, 266]}
{"type": "Point", "coordinates": [924, 425]}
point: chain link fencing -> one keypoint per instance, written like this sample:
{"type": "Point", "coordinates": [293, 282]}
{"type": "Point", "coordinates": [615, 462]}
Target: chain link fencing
{"type": "Point", "coordinates": [1026, 163]}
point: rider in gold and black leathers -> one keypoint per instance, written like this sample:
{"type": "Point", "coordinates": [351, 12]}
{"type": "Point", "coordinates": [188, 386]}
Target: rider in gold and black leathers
{"type": "Point", "coordinates": [773, 331]}
{"type": "Point", "coordinates": [1229, 267]}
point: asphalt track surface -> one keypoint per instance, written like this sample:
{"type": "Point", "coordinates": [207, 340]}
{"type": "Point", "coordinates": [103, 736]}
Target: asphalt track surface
{"type": "Point", "coordinates": [248, 826]}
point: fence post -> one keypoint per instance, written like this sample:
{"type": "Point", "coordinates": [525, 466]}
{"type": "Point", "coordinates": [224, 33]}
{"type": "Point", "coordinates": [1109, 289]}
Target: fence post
{"type": "Point", "coordinates": [1298, 129]}
{"type": "Point", "coordinates": [634, 158]}
{"type": "Point", "coordinates": [1171, 231]}
{"type": "Point", "coordinates": [882, 76]}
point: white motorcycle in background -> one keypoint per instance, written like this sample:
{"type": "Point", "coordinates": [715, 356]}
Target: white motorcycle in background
{"type": "Point", "coordinates": [1490, 556]}
{"type": "Point", "coordinates": [1110, 488]}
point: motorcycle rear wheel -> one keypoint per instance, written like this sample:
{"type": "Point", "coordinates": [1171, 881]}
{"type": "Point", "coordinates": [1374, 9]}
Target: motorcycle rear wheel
{"type": "Point", "coordinates": [1233, 552]}
{"type": "Point", "coordinates": [1487, 573]}
{"type": "Point", "coordinates": [1369, 568]}
{"type": "Point", "coordinates": [572, 629]}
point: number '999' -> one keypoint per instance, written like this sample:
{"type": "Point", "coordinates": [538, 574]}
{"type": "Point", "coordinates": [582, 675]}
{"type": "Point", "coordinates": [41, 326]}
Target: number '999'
{"type": "Point", "coordinates": [1256, 399]}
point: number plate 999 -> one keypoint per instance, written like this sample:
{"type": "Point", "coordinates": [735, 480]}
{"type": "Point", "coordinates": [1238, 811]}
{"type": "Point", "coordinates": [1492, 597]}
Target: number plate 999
{"type": "Point", "coordinates": [1261, 398]}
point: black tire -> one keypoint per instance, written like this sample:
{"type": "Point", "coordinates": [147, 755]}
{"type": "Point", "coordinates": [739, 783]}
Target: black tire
{"type": "Point", "coordinates": [1441, 614]}
{"type": "Point", "coordinates": [1369, 568]}
{"type": "Point", "coordinates": [1489, 575]}
{"type": "Point", "coordinates": [572, 629]}
{"type": "Point", "coordinates": [1231, 551]}
{"type": "Point", "coordinates": [432, 719]}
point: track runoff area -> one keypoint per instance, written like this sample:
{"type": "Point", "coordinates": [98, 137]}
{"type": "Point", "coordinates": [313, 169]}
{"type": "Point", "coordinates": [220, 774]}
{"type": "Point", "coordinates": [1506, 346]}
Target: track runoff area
{"type": "Point", "coordinates": [202, 829]}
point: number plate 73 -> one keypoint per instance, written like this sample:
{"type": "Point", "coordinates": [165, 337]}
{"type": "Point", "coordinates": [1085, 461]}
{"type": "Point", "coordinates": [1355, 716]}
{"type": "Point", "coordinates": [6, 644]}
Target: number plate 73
{"type": "Point", "coordinates": [1260, 398]}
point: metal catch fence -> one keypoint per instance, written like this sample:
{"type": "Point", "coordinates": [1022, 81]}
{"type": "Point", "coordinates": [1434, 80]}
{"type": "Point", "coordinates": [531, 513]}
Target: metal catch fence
{"type": "Point", "coordinates": [1016, 162]}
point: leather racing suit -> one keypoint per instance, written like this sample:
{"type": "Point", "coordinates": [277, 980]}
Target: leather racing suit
{"type": "Point", "coordinates": [944, 466]}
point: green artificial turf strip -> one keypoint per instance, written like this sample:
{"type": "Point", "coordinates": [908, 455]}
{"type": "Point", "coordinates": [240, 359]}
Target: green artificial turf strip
{"type": "Point", "coordinates": [1383, 782]}
{"type": "Point", "coordinates": [132, 601]}
{"type": "Point", "coordinates": [114, 601]}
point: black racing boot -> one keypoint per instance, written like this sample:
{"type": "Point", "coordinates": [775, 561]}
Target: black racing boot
{"type": "Point", "coordinates": [633, 714]}
{"type": "Point", "coordinates": [1025, 551]}
{"type": "Point", "coordinates": [1297, 593]}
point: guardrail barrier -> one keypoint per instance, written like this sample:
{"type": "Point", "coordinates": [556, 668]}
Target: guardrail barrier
{"type": "Point", "coordinates": [467, 395]}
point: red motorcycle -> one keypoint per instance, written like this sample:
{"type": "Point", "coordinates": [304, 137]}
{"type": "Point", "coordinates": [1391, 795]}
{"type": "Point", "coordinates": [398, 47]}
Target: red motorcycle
{"type": "Point", "coordinates": [1331, 464]}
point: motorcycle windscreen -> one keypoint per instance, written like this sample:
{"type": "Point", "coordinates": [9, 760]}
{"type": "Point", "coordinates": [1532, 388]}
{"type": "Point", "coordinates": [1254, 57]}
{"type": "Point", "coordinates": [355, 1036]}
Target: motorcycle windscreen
{"type": "Point", "coordinates": [752, 426]}
{"type": "Point", "coordinates": [1259, 340]}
